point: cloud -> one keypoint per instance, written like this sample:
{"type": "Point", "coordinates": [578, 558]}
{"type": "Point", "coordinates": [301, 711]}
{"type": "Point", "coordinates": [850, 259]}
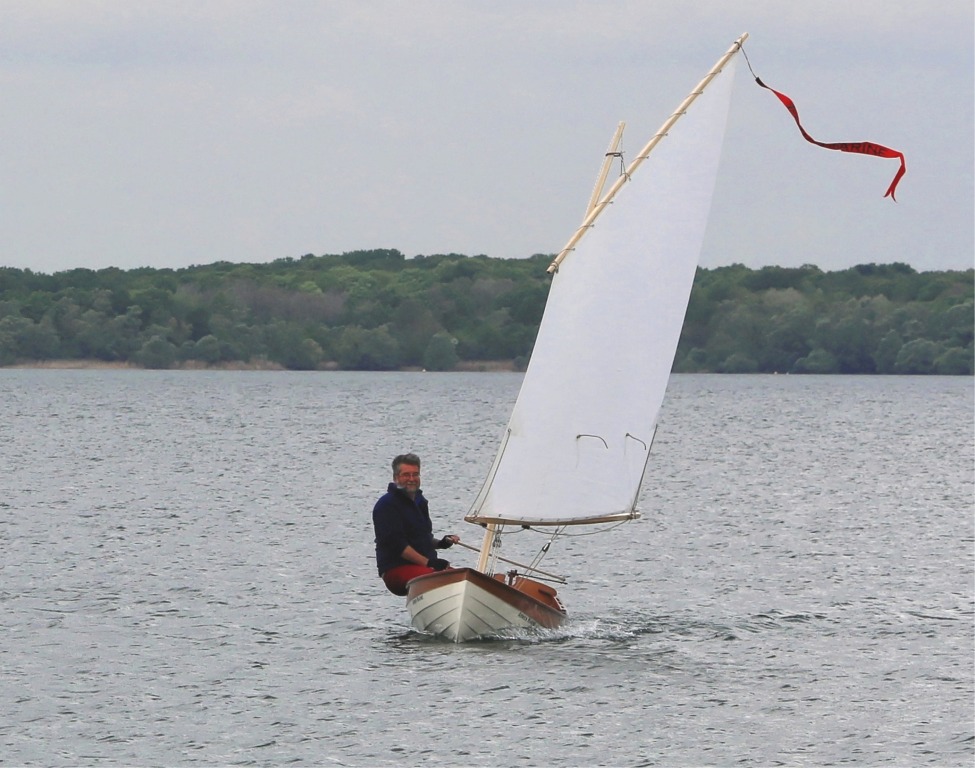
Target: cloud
{"type": "Point", "coordinates": [185, 132]}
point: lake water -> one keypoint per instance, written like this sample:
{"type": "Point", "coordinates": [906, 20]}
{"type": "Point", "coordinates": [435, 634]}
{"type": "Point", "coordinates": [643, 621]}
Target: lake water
{"type": "Point", "coordinates": [188, 578]}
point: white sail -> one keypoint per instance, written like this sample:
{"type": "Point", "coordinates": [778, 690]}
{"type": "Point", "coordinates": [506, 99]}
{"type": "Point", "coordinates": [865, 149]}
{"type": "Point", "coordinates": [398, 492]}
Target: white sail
{"type": "Point", "coordinates": [579, 437]}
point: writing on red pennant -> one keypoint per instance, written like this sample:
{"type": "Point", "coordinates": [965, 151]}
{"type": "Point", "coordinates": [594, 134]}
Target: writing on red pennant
{"type": "Point", "coordinates": [858, 147]}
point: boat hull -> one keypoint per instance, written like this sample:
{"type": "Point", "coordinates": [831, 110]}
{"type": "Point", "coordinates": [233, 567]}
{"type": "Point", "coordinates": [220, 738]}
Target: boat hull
{"type": "Point", "coordinates": [462, 604]}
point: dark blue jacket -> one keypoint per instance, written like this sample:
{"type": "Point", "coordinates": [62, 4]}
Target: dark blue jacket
{"type": "Point", "coordinates": [400, 521]}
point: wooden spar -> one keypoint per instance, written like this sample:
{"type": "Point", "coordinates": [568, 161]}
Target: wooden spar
{"type": "Point", "coordinates": [486, 546]}
{"type": "Point", "coordinates": [530, 569]}
{"type": "Point", "coordinates": [611, 152]}
{"type": "Point", "coordinates": [664, 129]}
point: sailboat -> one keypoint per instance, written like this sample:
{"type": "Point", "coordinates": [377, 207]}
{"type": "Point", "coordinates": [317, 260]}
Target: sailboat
{"type": "Point", "coordinates": [576, 447]}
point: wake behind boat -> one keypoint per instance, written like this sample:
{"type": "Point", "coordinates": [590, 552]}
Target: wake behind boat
{"type": "Point", "coordinates": [577, 444]}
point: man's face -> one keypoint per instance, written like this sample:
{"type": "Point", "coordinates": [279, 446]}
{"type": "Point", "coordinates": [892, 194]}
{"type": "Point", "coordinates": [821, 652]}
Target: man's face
{"type": "Point", "coordinates": [408, 477]}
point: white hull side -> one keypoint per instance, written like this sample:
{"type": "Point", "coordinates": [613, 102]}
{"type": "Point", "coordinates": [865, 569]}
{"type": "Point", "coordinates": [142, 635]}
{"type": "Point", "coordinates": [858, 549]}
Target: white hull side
{"type": "Point", "coordinates": [463, 611]}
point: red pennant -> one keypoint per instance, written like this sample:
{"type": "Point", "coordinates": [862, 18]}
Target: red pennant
{"type": "Point", "coordinates": [859, 147]}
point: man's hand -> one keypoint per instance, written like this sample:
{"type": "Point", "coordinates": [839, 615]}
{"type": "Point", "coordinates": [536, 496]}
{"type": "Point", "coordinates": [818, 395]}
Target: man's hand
{"type": "Point", "coordinates": [437, 564]}
{"type": "Point", "coordinates": [448, 541]}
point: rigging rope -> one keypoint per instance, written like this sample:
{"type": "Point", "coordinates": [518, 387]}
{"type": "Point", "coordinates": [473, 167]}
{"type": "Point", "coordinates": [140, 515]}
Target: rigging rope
{"type": "Point", "coordinates": [562, 534]}
{"type": "Point", "coordinates": [622, 161]}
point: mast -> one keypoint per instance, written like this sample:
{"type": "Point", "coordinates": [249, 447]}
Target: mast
{"type": "Point", "coordinates": [486, 545]}
{"type": "Point", "coordinates": [664, 129]}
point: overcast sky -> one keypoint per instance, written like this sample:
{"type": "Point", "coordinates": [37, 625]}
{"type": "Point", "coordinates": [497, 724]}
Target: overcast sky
{"type": "Point", "coordinates": [172, 133]}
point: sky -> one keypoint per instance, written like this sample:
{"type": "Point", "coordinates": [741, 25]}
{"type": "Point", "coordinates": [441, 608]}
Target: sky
{"type": "Point", "coordinates": [172, 133]}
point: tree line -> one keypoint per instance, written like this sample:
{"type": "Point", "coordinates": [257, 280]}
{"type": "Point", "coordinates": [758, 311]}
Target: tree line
{"type": "Point", "coordinates": [378, 310]}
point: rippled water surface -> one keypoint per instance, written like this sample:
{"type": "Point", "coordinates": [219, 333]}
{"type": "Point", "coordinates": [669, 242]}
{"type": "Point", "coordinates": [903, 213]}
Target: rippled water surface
{"type": "Point", "coordinates": [188, 578]}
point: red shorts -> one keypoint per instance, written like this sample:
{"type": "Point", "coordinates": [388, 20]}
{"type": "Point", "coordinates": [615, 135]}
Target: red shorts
{"type": "Point", "coordinates": [396, 578]}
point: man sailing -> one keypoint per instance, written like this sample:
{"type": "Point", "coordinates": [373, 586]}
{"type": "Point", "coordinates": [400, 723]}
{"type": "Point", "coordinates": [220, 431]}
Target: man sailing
{"type": "Point", "coordinates": [405, 545]}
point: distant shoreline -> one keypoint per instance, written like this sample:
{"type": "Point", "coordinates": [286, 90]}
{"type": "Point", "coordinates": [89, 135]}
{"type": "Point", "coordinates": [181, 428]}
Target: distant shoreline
{"type": "Point", "coordinates": [477, 366]}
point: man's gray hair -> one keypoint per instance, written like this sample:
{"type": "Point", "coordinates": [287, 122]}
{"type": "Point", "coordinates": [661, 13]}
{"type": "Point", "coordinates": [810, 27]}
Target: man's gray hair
{"type": "Point", "coordinates": [405, 458]}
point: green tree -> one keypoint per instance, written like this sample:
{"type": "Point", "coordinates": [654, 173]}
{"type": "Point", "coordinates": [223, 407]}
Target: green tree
{"type": "Point", "coordinates": [199, 321]}
{"type": "Point", "coordinates": [885, 357]}
{"type": "Point", "coordinates": [441, 353]}
{"type": "Point", "coordinates": [413, 326]}
{"type": "Point", "coordinates": [737, 329]}
{"type": "Point", "coordinates": [289, 346]}
{"type": "Point", "coordinates": [40, 341]}
{"type": "Point", "coordinates": [784, 317]}
{"type": "Point", "coordinates": [853, 332]}
{"type": "Point", "coordinates": [367, 349]}
{"type": "Point", "coordinates": [817, 361]}
{"type": "Point", "coordinates": [739, 363]}
{"type": "Point", "coordinates": [958, 327]}
{"type": "Point", "coordinates": [22, 339]}
{"type": "Point", "coordinates": [157, 305]}
{"type": "Point", "coordinates": [955, 362]}
{"type": "Point", "coordinates": [38, 304]}
{"type": "Point", "coordinates": [917, 356]}
{"type": "Point", "coordinates": [12, 330]}
{"type": "Point", "coordinates": [157, 352]}
{"type": "Point", "coordinates": [207, 349]}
